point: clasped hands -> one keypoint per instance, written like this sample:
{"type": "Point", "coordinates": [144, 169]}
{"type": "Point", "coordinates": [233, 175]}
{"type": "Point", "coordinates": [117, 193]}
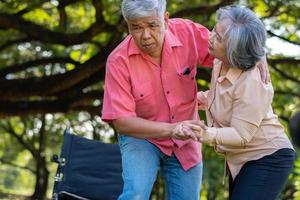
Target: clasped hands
{"type": "Point", "coordinates": [190, 129]}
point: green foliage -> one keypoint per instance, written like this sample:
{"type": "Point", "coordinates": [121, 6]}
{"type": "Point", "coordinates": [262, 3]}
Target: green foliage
{"type": "Point", "coordinates": [213, 175]}
{"type": "Point", "coordinates": [13, 180]}
{"type": "Point", "coordinates": [80, 16]}
{"type": "Point", "coordinates": [46, 16]}
{"type": "Point", "coordinates": [112, 11]}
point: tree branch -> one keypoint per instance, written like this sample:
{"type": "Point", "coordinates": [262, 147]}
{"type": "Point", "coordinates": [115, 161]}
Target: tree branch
{"type": "Point", "coordinates": [96, 77]}
{"type": "Point", "coordinates": [202, 10]}
{"type": "Point", "coordinates": [34, 63]}
{"type": "Point", "coordinates": [99, 9]}
{"type": "Point", "coordinates": [284, 118]}
{"type": "Point", "coordinates": [13, 42]}
{"type": "Point", "coordinates": [273, 10]}
{"type": "Point", "coordinates": [50, 85]}
{"type": "Point", "coordinates": [65, 3]}
{"type": "Point", "coordinates": [75, 89]}
{"type": "Point", "coordinates": [281, 92]}
{"type": "Point", "coordinates": [283, 38]}
{"type": "Point", "coordinates": [62, 17]}
{"type": "Point", "coordinates": [63, 105]}
{"type": "Point", "coordinates": [287, 60]}
{"type": "Point", "coordinates": [31, 7]}
{"type": "Point", "coordinates": [283, 74]}
{"type": "Point", "coordinates": [62, 3]}
{"type": "Point", "coordinates": [37, 32]}
{"type": "Point", "coordinates": [42, 139]}
{"type": "Point", "coordinates": [10, 130]}
{"type": "Point", "coordinates": [6, 162]}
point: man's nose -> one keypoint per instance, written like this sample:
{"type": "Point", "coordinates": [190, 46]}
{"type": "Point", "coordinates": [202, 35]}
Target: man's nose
{"type": "Point", "coordinates": [146, 33]}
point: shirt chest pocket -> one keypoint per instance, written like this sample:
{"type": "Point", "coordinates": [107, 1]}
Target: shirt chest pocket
{"type": "Point", "coordinates": [145, 102]}
{"type": "Point", "coordinates": [187, 83]}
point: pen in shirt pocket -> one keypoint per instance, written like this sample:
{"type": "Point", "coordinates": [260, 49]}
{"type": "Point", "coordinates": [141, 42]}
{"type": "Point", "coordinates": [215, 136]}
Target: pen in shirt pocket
{"type": "Point", "coordinates": [186, 71]}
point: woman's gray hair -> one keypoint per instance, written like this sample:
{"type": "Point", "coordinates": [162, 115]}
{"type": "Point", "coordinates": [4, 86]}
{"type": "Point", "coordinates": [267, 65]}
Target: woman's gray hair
{"type": "Point", "coordinates": [245, 34]}
{"type": "Point", "coordinates": [134, 9]}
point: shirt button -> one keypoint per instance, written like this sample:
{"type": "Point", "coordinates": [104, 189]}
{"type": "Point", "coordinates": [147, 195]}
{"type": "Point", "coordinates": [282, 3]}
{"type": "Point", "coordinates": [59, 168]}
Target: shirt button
{"type": "Point", "coordinates": [173, 117]}
{"type": "Point", "coordinates": [141, 95]}
{"type": "Point", "coordinates": [168, 92]}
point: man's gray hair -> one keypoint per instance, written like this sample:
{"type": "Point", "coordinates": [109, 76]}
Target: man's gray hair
{"type": "Point", "coordinates": [245, 34]}
{"type": "Point", "coordinates": [134, 9]}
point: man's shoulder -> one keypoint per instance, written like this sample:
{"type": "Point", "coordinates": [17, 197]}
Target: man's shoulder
{"type": "Point", "coordinates": [187, 31]}
{"type": "Point", "coordinates": [120, 51]}
{"type": "Point", "coordinates": [180, 23]}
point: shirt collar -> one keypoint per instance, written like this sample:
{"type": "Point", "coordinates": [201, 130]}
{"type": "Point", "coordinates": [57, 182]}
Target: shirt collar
{"type": "Point", "coordinates": [170, 41]}
{"type": "Point", "coordinates": [132, 47]}
{"type": "Point", "coordinates": [232, 74]}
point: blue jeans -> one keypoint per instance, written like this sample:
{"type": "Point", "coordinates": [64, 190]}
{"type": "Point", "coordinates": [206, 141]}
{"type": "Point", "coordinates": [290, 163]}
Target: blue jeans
{"type": "Point", "coordinates": [264, 178]}
{"type": "Point", "coordinates": [141, 161]}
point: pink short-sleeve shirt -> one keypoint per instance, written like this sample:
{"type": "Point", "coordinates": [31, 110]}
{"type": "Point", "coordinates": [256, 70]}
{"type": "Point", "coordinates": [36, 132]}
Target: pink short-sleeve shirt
{"type": "Point", "coordinates": [137, 86]}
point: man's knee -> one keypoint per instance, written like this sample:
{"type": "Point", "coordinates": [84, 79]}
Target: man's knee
{"type": "Point", "coordinates": [136, 191]}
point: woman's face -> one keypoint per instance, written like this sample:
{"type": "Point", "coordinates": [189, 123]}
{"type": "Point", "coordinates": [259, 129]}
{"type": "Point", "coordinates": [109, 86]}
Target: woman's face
{"type": "Point", "coordinates": [217, 41]}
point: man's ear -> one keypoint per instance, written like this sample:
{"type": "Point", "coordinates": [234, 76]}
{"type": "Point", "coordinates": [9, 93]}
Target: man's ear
{"type": "Point", "coordinates": [128, 27]}
{"type": "Point", "coordinates": [166, 19]}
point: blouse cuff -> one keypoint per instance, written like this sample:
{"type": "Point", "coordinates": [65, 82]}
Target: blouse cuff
{"type": "Point", "coordinates": [210, 136]}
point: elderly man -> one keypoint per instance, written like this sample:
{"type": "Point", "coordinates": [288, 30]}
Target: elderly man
{"type": "Point", "coordinates": [150, 98]}
{"type": "Point", "coordinates": [149, 87]}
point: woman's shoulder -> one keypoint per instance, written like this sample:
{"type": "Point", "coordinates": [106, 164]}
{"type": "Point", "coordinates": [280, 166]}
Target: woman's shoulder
{"type": "Point", "coordinates": [253, 75]}
{"type": "Point", "coordinates": [250, 80]}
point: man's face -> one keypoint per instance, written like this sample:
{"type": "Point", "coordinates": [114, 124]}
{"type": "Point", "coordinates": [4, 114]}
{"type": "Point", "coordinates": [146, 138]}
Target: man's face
{"type": "Point", "coordinates": [148, 33]}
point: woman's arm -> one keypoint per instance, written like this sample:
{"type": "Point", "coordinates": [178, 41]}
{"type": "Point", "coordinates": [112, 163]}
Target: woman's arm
{"type": "Point", "coordinates": [239, 134]}
{"type": "Point", "coordinates": [202, 99]}
{"type": "Point", "coordinates": [251, 102]}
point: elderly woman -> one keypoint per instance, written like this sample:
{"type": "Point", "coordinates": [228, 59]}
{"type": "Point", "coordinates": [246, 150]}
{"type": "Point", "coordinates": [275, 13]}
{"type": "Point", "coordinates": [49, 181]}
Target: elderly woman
{"type": "Point", "coordinates": [241, 122]}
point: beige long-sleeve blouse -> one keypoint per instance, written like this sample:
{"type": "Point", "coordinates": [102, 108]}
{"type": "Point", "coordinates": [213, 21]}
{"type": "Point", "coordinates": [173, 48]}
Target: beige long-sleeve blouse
{"type": "Point", "coordinates": [241, 118]}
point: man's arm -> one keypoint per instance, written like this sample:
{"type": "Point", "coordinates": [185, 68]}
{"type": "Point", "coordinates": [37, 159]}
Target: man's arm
{"type": "Point", "coordinates": [247, 115]}
{"type": "Point", "coordinates": [142, 128]}
{"type": "Point", "coordinates": [263, 68]}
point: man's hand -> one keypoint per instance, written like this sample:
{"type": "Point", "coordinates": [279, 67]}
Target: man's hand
{"type": "Point", "coordinates": [188, 130]}
{"type": "Point", "coordinates": [263, 68]}
{"type": "Point", "coordinates": [180, 132]}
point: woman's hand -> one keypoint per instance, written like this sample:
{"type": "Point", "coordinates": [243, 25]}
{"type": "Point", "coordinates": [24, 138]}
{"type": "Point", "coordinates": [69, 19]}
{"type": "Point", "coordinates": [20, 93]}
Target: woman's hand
{"type": "Point", "coordinates": [202, 99]}
{"type": "Point", "coordinates": [208, 135]}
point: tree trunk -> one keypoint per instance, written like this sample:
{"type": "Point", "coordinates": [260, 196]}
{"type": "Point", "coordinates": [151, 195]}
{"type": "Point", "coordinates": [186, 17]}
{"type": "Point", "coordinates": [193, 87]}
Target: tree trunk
{"type": "Point", "coordinates": [41, 183]}
{"type": "Point", "coordinates": [42, 173]}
